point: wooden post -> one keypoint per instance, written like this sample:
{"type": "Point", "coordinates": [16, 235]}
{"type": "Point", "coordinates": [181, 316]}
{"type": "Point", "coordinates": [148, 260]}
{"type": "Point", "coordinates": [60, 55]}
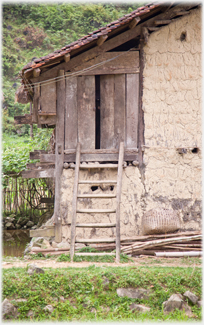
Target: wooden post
{"type": "Point", "coordinates": [119, 186]}
{"type": "Point", "coordinates": [74, 202]}
{"type": "Point", "coordinates": [59, 153]}
{"type": "Point", "coordinates": [36, 103]}
{"type": "Point", "coordinates": [31, 125]}
{"type": "Point", "coordinates": [141, 140]}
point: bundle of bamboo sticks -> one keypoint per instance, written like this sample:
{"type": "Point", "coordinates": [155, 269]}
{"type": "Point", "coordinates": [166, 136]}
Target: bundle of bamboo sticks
{"type": "Point", "coordinates": [143, 245]}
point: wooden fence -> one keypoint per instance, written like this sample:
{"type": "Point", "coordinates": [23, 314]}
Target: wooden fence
{"type": "Point", "coordinates": [26, 196]}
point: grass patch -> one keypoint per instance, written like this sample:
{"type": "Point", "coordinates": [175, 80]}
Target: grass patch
{"type": "Point", "coordinates": [89, 296]}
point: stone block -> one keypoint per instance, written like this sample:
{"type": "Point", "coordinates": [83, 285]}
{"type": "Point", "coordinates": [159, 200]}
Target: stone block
{"type": "Point", "coordinates": [141, 308]}
{"type": "Point", "coordinates": [191, 297]}
{"type": "Point", "coordinates": [133, 293]}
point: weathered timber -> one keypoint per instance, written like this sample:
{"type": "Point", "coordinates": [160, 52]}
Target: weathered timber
{"type": "Point", "coordinates": [46, 114]}
{"type": "Point", "coordinates": [101, 151]}
{"type": "Point", "coordinates": [59, 153]}
{"type": "Point", "coordinates": [36, 154]}
{"type": "Point", "coordinates": [107, 111]}
{"type": "Point", "coordinates": [36, 103]}
{"type": "Point", "coordinates": [31, 125]}
{"type": "Point", "coordinates": [94, 254]}
{"type": "Point", "coordinates": [111, 63]}
{"type": "Point", "coordinates": [145, 34]}
{"type": "Point", "coordinates": [84, 157]}
{"type": "Point", "coordinates": [97, 182]}
{"type": "Point", "coordinates": [48, 173]}
{"type": "Point", "coordinates": [134, 22]}
{"type": "Point", "coordinates": [132, 107]}
{"type": "Point", "coordinates": [48, 98]}
{"type": "Point", "coordinates": [102, 39]}
{"type": "Point", "coordinates": [96, 240]}
{"type": "Point", "coordinates": [94, 166]}
{"type": "Point", "coordinates": [48, 120]}
{"type": "Point", "coordinates": [140, 109]}
{"type": "Point", "coordinates": [178, 254]}
{"type": "Point", "coordinates": [96, 210]}
{"type": "Point", "coordinates": [36, 72]}
{"type": "Point", "coordinates": [67, 57]}
{"type": "Point", "coordinates": [86, 111]}
{"type": "Point", "coordinates": [23, 119]}
{"type": "Point", "coordinates": [118, 199]}
{"type": "Point", "coordinates": [74, 202]}
{"type": "Point", "coordinates": [102, 196]}
{"type": "Point", "coordinates": [47, 232]}
{"type": "Point", "coordinates": [119, 109]}
{"type": "Point", "coordinates": [96, 225]}
{"type": "Point", "coordinates": [152, 28]}
{"type": "Point", "coordinates": [71, 114]}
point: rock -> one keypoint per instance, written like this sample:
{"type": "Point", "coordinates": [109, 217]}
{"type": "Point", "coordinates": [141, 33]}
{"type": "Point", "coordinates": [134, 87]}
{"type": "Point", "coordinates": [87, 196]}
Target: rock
{"type": "Point", "coordinates": [8, 309]}
{"type": "Point", "coordinates": [37, 241]}
{"type": "Point", "coordinates": [9, 219]}
{"type": "Point", "coordinates": [79, 246]}
{"type": "Point", "coordinates": [30, 224]}
{"type": "Point", "coordinates": [133, 293]}
{"type": "Point", "coordinates": [54, 244]}
{"type": "Point", "coordinates": [30, 313]}
{"type": "Point", "coordinates": [45, 244]}
{"type": "Point", "coordinates": [18, 226]}
{"type": "Point", "coordinates": [34, 269]}
{"type": "Point", "coordinates": [199, 303]}
{"type": "Point", "coordinates": [190, 296]}
{"type": "Point", "coordinates": [141, 308]}
{"type": "Point", "coordinates": [20, 300]}
{"type": "Point", "coordinates": [176, 302]}
{"type": "Point", "coordinates": [64, 245]}
{"type": "Point", "coordinates": [49, 308]}
{"type": "Point", "coordinates": [22, 221]}
{"type": "Point", "coordinates": [106, 283]}
{"type": "Point", "coordinates": [34, 227]}
{"type": "Point", "coordinates": [9, 225]}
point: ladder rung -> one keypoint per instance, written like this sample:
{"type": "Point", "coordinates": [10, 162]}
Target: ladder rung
{"type": "Point", "coordinates": [96, 196]}
{"type": "Point", "coordinates": [98, 182]}
{"type": "Point", "coordinates": [87, 166]}
{"type": "Point", "coordinates": [97, 240]}
{"type": "Point", "coordinates": [96, 210]}
{"type": "Point", "coordinates": [94, 254]}
{"type": "Point", "coordinates": [96, 225]}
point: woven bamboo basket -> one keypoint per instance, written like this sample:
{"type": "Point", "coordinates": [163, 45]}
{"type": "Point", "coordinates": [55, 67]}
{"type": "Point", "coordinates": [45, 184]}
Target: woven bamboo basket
{"type": "Point", "coordinates": [160, 221]}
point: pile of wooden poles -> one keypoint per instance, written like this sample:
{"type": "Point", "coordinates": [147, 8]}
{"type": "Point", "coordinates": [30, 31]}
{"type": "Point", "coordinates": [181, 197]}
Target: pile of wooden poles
{"type": "Point", "coordinates": [175, 244]}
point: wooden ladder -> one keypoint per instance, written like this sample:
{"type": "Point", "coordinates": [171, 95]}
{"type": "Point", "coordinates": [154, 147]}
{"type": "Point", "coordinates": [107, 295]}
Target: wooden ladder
{"type": "Point", "coordinates": [79, 166]}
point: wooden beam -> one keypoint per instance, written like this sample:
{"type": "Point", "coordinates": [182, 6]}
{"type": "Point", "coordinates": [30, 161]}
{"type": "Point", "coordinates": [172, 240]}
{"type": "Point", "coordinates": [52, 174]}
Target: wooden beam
{"type": "Point", "coordinates": [145, 34]}
{"type": "Point", "coordinates": [48, 173]}
{"type": "Point", "coordinates": [134, 22]}
{"type": "Point", "coordinates": [36, 103]}
{"type": "Point", "coordinates": [36, 72]}
{"type": "Point", "coordinates": [23, 119]}
{"type": "Point", "coordinates": [67, 57]}
{"type": "Point", "coordinates": [152, 28]}
{"type": "Point", "coordinates": [47, 232]}
{"type": "Point", "coordinates": [59, 153]}
{"type": "Point", "coordinates": [47, 200]}
{"type": "Point", "coordinates": [36, 154]}
{"type": "Point", "coordinates": [102, 39]}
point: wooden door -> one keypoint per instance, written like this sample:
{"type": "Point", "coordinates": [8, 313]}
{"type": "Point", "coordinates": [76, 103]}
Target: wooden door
{"type": "Point", "coordinates": [80, 112]}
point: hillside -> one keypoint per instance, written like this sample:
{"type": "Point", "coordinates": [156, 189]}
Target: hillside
{"type": "Point", "coordinates": [31, 31]}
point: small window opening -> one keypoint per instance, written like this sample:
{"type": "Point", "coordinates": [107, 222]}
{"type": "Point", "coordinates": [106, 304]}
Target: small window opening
{"type": "Point", "coordinates": [183, 36]}
{"type": "Point", "coordinates": [94, 188]}
{"type": "Point", "coordinates": [97, 113]}
{"type": "Point", "coordinates": [111, 187]}
{"type": "Point", "coordinates": [195, 150]}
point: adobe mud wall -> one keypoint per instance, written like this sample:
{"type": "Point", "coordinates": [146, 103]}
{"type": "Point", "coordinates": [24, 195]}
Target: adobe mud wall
{"type": "Point", "coordinates": [171, 177]}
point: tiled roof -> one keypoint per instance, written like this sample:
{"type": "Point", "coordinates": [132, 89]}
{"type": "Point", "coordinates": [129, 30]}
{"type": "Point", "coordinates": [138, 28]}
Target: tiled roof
{"type": "Point", "coordinates": [91, 36]}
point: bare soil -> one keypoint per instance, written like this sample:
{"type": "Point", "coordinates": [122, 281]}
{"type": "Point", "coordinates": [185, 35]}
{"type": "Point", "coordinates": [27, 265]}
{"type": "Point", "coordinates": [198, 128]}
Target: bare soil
{"type": "Point", "coordinates": [141, 261]}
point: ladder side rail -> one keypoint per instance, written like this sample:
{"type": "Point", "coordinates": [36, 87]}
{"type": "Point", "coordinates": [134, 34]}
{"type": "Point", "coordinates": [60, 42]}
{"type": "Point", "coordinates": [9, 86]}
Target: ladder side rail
{"type": "Point", "coordinates": [118, 199]}
{"type": "Point", "coordinates": [74, 203]}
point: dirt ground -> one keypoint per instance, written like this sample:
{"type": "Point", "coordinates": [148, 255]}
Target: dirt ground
{"type": "Point", "coordinates": [141, 261]}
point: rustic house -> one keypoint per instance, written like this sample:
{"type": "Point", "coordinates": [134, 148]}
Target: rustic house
{"type": "Point", "coordinates": [125, 102]}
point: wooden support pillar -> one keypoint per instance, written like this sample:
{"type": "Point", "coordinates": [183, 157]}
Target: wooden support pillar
{"type": "Point", "coordinates": [36, 103]}
{"type": "Point", "coordinates": [31, 125]}
{"type": "Point", "coordinates": [59, 153]}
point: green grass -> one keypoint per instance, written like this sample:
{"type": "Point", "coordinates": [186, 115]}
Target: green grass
{"type": "Point", "coordinates": [88, 298]}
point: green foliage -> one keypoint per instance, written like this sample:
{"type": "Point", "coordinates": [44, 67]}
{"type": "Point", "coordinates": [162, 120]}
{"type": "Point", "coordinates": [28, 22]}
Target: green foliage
{"type": "Point", "coordinates": [16, 151]}
{"type": "Point", "coordinates": [86, 297]}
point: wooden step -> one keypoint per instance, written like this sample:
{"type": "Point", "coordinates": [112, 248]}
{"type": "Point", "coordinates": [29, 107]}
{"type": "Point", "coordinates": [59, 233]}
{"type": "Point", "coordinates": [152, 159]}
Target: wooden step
{"type": "Point", "coordinates": [97, 240]}
{"type": "Point", "coordinates": [96, 210]}
{"type": "Point", "coordinates": [103, 196]}
{"type": "Point", "coordinates": [88, 166]}
{"type": "Point", "coordinates": [98, 182]}
{"type": "Point", "coordinates": [95, 254]}
{"type": "Point", "coordinates": [96, 225]}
